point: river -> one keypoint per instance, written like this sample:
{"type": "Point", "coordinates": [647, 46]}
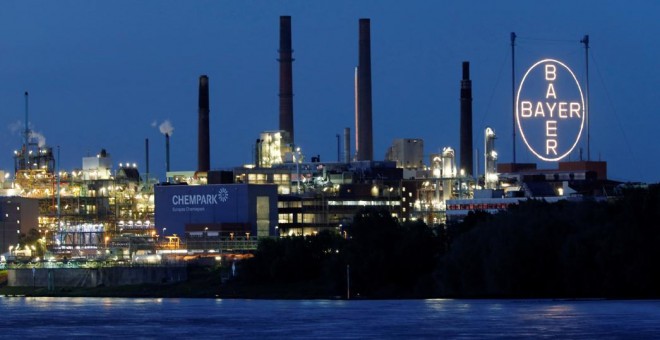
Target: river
{"type": "Point", "coordinates": [41, 317]}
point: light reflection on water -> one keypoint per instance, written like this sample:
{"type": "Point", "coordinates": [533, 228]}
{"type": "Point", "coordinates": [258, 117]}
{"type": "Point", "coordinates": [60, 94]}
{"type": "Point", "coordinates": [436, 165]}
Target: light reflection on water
{"type": "Point", "coordinates": [356, 319]}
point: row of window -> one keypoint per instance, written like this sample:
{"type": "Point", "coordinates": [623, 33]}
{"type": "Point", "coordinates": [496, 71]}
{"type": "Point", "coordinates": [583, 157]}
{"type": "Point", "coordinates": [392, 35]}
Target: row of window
{"type": "Point", "coordinates": [478, 206]}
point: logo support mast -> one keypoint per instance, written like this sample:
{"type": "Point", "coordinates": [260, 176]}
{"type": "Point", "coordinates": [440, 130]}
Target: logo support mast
{"type": "Point", "coordinates": [585, 41]}
{"type": "Point", "coordinates": [513, 93]}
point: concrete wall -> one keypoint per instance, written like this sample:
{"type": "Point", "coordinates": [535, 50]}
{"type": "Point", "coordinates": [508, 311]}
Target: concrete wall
{"type": "Point", "coordinates": [94, 277]}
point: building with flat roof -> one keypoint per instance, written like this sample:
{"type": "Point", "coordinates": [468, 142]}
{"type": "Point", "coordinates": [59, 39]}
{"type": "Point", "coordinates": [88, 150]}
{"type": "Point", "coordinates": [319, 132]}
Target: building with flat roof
{"type": "Point", "coordinates": [216, 212]}
{"type": "Point", "coordinates": [17, 216]}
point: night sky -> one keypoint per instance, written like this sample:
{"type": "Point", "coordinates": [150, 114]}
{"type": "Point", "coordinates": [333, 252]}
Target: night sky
{"type": "Point", "coordinates": [107, 74]}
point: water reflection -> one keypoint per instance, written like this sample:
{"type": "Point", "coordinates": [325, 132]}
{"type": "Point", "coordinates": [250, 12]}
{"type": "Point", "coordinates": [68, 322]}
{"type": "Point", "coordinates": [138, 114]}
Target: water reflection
{"type": "Point", "coordinates": [437, 318]}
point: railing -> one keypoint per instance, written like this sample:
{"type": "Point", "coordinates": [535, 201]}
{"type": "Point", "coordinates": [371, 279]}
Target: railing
{"type": "Point", "coordinates": [89, 264]}
{"type": "Point", "coordinates": [224, 245]}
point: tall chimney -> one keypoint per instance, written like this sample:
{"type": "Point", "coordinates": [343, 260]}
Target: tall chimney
{"type": "Point", "coordinates": [347, 145]}
{"type": "Point", "coordinates": [357, 116]}
{"type": "Point", "coordinates": [286, 79]}
{"type": "Point", "coordinates": [365, 149]}
{"type": "Point", "coordinates": [466, 121]}
{"type": "Point", "coordinates": [203, 143]}
{"type": "Point", "coordinates": [167, 153]}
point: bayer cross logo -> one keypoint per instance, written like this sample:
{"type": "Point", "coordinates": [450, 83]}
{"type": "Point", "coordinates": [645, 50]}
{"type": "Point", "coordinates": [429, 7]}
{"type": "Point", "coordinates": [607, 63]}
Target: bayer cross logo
{"type": "Point", "coordinates": [550, 110]}
{"type": "Point", "coordinates": [223, 195]}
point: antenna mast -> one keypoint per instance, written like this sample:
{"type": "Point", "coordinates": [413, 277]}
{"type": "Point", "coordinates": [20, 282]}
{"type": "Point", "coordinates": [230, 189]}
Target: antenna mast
{"type": "Point", "coordinates": [513, 92]}
{"type": "Point", "coordinates": [585, 41]}
{"type": "Point", "coordinates": [27, 135]}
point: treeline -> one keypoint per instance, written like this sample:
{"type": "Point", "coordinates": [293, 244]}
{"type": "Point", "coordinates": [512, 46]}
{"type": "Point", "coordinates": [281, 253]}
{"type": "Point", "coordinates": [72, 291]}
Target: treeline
{"type": "Point", "coordinates": [564, 249]}
{"type": "Point", "coordinates": [379, 256]}
{"type": "Point", "coordinates": [535, 249]}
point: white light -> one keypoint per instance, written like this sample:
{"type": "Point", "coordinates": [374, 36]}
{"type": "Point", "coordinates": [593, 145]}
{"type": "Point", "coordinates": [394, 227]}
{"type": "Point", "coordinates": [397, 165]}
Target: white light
{"type": "Point", "coordinates": [520, 128]}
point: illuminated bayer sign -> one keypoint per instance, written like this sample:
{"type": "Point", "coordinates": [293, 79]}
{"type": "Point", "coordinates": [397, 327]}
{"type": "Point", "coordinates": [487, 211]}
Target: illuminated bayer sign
{"type": "Point", "coordinates": [550, 110]}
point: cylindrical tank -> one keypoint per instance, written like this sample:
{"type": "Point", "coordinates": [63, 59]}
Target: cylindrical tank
{"type": "Point", "coordinates": [448, 172]}
{"type": "Point", "coordinates": [490, 159]}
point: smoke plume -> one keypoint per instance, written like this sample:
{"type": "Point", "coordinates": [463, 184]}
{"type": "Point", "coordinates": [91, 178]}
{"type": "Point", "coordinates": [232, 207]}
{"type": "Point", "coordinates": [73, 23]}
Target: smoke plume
{"type": "Point", "coordinates": [41, 139]}
{"type": "Point", "coordinates": [166, 127]}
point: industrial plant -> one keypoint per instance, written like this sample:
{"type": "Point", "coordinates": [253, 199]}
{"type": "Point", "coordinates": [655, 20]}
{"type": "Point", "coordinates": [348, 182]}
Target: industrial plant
{"type": "Point", "coordinates": [108, 213]}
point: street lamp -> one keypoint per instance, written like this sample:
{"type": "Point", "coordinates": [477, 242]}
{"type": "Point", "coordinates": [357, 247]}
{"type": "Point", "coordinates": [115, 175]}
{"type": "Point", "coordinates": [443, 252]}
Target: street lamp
{"type": "Point", "coordinates": [296, 157]}
{"type": "Point", "coordinates": [206, 234]}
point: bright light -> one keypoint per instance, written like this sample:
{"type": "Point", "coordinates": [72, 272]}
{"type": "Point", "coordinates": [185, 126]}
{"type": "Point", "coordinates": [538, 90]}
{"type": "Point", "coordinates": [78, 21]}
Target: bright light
{"type": "Point", "coordinates": [551, 126]}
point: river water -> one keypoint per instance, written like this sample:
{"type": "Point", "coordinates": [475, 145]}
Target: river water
{"type": "Point", "coordinates": [41, 317]}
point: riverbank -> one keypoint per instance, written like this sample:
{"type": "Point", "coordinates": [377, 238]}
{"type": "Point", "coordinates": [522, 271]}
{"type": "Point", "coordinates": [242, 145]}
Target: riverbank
{"type": "Point", "coordinates": [203, 282]}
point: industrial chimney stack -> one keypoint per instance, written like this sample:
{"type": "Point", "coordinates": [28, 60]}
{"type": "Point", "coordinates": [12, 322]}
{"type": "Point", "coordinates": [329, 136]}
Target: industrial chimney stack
{"type": "Point", "coordinates": [286, 79]}
{"type": "Point", "coordinates": [466, 121]}
{"type": "Point", "coordinates": [167, 153]}
{"type": "Point", "coordinates": [364, 141]}
{"type": "Point", "coordinates": [203, 141]}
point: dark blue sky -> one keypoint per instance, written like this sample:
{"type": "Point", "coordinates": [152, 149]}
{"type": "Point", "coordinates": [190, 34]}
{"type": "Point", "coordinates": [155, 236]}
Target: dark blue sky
{"type": "Point", "coordinates": [101, 73]}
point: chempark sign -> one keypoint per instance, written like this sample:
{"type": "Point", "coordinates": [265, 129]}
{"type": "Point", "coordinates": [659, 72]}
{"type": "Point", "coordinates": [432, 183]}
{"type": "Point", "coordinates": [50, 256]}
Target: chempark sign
{"type": "Point", "coordinates": [550, 110]}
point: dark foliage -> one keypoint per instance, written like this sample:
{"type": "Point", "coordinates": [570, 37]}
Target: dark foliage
{"type": "Point", "coordinates": [535, 249]}
{"type": "Point", "coordinates": [564, 249]}
{"type": "Point", "coordinates": [385, 258]}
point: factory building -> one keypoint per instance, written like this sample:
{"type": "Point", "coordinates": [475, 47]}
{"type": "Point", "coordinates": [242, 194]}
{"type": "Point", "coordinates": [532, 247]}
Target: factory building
{"type": "Point", "coordinates": [17, 216]}
{"type": "Point", "coordinates": [408, 153]}
{"type": "Point", "coordinates": [78, 209]}
{"type": "Point", "coordinates": [325, 196]}
{"type": "Point", "coordinates": [216, 212]}
{"type": "Point", "coordinates": [282, 193]}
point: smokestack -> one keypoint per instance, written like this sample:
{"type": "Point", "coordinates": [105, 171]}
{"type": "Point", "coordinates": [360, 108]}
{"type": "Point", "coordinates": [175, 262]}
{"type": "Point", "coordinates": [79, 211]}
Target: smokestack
{"type": "Point", "coordinates": [167, 153]}
{"type": "Point", "coordinates": [203, 143]}
{"type": "Point", "coordinates": [364, 142]}
{"type": "Point", "coordinates": [466, 121]}
{"type": "Point", "coordinates": [286, 79]}
{"type": "Point", "coordinates": [347, 145]}
{"type": "Point", "coordinates": [357, 116]}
